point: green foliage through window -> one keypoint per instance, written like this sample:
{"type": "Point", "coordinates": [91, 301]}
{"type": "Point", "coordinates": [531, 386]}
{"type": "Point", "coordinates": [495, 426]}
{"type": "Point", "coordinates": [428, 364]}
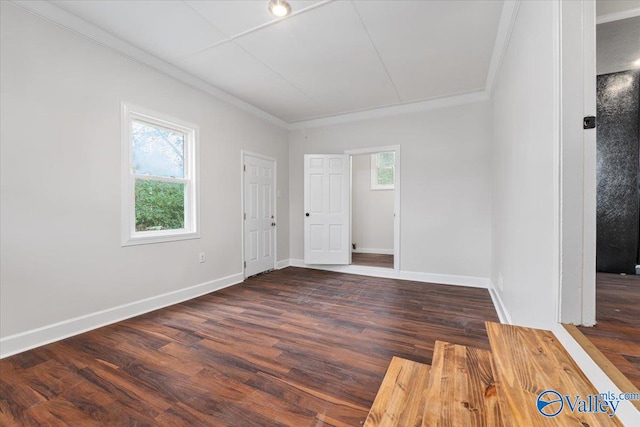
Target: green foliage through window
{"type": "Point", "coordinates": [387, 159]}
{"type": "Point", "coordinates": [385, 175]}
{"type": "Point", "coordinates": [383, 170]}
{"type": "Point", "coordinates": [159, 205]}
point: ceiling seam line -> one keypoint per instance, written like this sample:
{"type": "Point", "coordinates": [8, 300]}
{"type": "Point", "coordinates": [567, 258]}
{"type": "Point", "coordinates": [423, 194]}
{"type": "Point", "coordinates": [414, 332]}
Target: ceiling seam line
{"type": "Point", "coordinates": [317, 103]}
{"type": "Point", "coordinates": [384, 66]}
{"type": "Point", "coordinates": [250, 30]}
{"type": "Point", "coordinates": [218, 43]}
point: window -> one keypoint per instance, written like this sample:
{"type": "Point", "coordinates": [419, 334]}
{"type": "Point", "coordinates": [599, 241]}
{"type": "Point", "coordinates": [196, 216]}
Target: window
{"type": "Point", "coordinates": [159, 158]}
{"type": "Point", "coordinates": [383, 170]}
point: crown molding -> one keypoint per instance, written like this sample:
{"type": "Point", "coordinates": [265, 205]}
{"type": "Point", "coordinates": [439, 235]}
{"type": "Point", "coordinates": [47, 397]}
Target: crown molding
{"type": "Point", "coordinates": [394, 110]}
{"type": "Point", "coordinates": [610, 17]}
{"type": "Point", "coordinates": [54, 14]}
{"type": "Point", "coordinates": [503, 36]}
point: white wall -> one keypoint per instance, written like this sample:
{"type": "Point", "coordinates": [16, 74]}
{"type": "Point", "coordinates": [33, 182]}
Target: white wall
{"type": "Point", "coordinates": [60, 172]}
{"type": "Point", "coordinates": [372, 210]}
{"type": "Point", "coordinates": [445, 183]}
{"type": "Point", "coordinates": [524, 165]}
{"type": "Point", "coordinates": [606, 7]}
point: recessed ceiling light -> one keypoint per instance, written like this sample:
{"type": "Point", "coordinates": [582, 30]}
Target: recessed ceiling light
{"type": "Point", "coordinates": [279, 8]}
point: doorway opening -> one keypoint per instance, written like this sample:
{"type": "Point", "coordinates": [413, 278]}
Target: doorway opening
{"type": "Point", "coordinates": [617, 173]}
{"type": "Point", "coordinates": [375, 207]}
{"type": "Point", "coordinates": [372, 209]}
{"type": "Point", "coordinates": [328, 200]}
{"type": "Point", "coordinates": [610, 200]}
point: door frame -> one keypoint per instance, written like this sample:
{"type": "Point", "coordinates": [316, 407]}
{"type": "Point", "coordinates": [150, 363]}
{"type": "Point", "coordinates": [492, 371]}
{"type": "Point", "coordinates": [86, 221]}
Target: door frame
{"type": "Point", "coordinates": [243, 154]}
{"type": "Point", "coordinates": [577, 164]}
{"type": "Point", "coordinates": [396, 219]}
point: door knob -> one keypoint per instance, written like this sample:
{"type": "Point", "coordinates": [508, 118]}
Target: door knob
{"type": "Point", "coordinates": [307, 214]}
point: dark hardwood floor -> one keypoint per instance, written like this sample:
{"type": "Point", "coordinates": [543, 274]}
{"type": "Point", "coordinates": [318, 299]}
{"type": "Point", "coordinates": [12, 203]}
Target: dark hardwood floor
{"type": "Point", "coordinates": [372, 260]}
{"type": "Point", "coordinates": [617, 332]}
{"type": "Point", "coordinates": [294, 347]}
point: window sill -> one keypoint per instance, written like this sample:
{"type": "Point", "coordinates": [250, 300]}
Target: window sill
{"type": "Point", "coordinates": [159, 237]}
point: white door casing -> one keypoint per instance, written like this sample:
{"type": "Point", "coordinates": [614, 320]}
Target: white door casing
{"type": "Point", "coordinates": [327, 209]}
{"type": "Point", "coordinates": [577, 169]}
{"type": "Point", "coordinates": [259, 214]}
{"type": "Point", "coordinates": [396, 214]}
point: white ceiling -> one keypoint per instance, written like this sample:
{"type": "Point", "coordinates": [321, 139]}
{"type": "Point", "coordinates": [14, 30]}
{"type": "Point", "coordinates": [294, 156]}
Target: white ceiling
{"type": "Point", "coordinates": [327, 58]}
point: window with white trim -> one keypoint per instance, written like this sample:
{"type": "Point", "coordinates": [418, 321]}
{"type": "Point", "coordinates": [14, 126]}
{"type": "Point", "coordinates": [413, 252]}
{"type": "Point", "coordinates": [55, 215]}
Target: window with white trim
{"type": "Point", "coordinates": [383, 170]}
{"type": "Point", "coordinates": [159, 161]}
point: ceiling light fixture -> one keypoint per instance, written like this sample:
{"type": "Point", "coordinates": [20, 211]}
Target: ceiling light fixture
{"type": "Point", "coordinates": [637, 62]}
{"type": "Point", "coordinates": [279, 8]}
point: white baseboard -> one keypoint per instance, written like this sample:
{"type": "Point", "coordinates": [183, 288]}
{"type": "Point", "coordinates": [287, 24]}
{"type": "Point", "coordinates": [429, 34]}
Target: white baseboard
{"type": "Point", "coordinates": [283, 264]}
{"type": "Point", "coordinates": [444, 279]}
{"type": "Point", "coordinates": [23, 341]}
{"type": "Point", "coordinates": [503, 314]}
{"type": "Point", "coordinates": [373, 251]}
{"type": "Point", "coordinates": [626, 412]}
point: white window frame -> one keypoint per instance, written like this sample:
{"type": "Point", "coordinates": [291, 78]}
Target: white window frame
{"type": "Point", "coordinates": [191, 228]}
{"type": "Point", "coordinates": [374, 172]}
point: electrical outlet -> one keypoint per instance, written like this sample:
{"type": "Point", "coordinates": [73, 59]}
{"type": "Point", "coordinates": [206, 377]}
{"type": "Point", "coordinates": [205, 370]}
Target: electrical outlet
{"type": "Point", "coordinates": [202, 257]}
{"type": "Point", "coordinates": [500, 282]}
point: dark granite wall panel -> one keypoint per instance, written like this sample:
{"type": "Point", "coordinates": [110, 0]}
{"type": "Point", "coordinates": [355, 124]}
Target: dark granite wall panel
{"type": "Point", "coordinates": [618, 215]}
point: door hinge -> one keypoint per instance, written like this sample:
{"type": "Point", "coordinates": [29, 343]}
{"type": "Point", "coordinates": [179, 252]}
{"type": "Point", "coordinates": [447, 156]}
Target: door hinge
{"type": "Point", "coordinates": [244, 168]}
{"type": "Point", "coordinates": [245, 264]}
{"type": "Point", "coordinates": [245, 215]}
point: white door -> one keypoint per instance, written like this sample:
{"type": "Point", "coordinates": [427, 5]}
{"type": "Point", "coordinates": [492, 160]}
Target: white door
{"type": "Point", "coordinates": [327, 209]}
{"type": "Point", "coordinates": [259, 215]}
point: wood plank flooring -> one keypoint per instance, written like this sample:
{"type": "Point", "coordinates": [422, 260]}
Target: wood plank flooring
{"type": "Point", "coordinates": [294, 347]}
{"type": "Point", "coordinates": [372, 260]}
{"type": "Point", "coordinates": [401, 398]}
{"type": "Point", "coordinates": [462, 390]}
{"type": "Point", "coordinates": [617, 332]}
{"type": "Point", "coordinates": [529, 361]}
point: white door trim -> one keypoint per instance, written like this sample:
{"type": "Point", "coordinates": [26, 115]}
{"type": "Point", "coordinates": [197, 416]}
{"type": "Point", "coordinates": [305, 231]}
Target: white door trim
{"type": "Point", "coordinates": [243, 154]}
{"type": "Point", "coordinates": [577, 163]}
{"type": "Point", "coordinates": [396, 222]}
{"type": "Point", "coordinates": [589, 208]}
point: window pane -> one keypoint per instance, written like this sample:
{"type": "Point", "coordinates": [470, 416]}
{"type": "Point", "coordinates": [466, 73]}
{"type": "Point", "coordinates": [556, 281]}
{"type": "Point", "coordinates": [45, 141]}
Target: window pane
{"type": "Point", "coordinates": [157, 151]}
{"type": "Point", "coordinates": [385, 176]}
{"type": "Point", "coordinates": [386, 159]}
{"type": "Point", "coordinates": [159, 205]}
